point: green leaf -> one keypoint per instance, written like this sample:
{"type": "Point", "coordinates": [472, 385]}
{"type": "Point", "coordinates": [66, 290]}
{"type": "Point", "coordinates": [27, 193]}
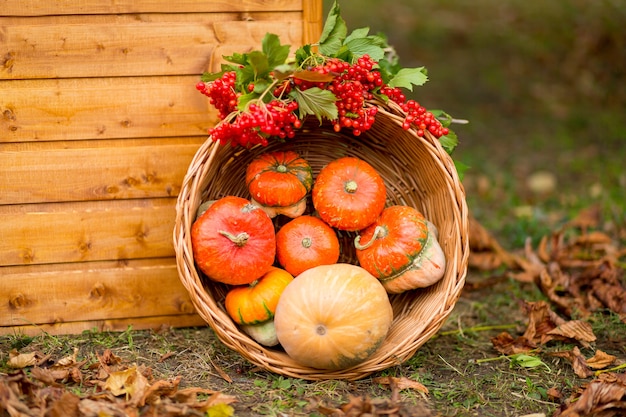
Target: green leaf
{"type": "Point", "coordinates": [275, 52]}
{"type": "Point", "coordinates": [244, 99]}
{"type": "Point", "coordinates": [461, 168]}
{"type": "Point", "coordinates": [317, 102]}
{"type": "Point", "coordinates": [207, 77]}
{"type": "Point", "coordinates": [449, 142]}
{"type": "Point", "coordinates": [333, 33]}
{"type": "Point", "coordinates": [408, 77]}
{"type": "Point", "coordinates": [302, 54]}
{"type": "Point", "coordinates": [237, 58]}
{"type": "Point", "coordinates": [526, 361]}
{"type": "Point", "coordinates": [370, 46]}
{"type": "Point", "coordinates": [359, 33]}
{"type": "Point", "coordinates": [259, 64]}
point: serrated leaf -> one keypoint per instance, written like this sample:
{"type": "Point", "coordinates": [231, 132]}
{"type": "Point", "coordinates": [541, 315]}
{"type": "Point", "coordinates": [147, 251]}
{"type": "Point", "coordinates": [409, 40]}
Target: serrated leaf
{"type": "Point", "coordinates": [317, 102]}
{"type": "Point", "coordinates": [449, 142]}
{"type": "Point", "coordinates": [302, 54]}
{"type": "Point", "coordinates": [236, 58]}
{"type": "Point", "coordinates": [333, 33]}
{"type": "Point", "coordinates": [259, 63]}
{"type": "Point", "coordinates": [275, 52]}
{"type": "Point", "coordinates": [362, 46]}
{"type": "Point", "coordinates": [357, 34]}
{"type": "Point", "coordinates": [408, 77]}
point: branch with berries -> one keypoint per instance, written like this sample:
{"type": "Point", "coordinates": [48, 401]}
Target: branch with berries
{"type": "Point", "coordinates": [265, 95]}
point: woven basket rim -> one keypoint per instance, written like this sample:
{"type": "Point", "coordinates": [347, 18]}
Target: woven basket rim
{"type": "Point", "coordinates": [410, 330]}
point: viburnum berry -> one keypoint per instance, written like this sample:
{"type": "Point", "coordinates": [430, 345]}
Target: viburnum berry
{"type": "Point", "coordinates": [221, 93]}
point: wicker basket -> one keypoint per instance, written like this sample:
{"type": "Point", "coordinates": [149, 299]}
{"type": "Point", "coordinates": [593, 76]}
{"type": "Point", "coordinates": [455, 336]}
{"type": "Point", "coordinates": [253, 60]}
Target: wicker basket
{"type": "Point", "coordinates": [417, 172]}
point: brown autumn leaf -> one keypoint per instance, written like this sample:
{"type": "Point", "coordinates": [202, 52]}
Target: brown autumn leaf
{"type": "Point", "coordinates": [531, 265]}
{"type": "Point", "coordinates": [587, 218]}
{"type": "Point", "coordinates": [64, 406]}
{"type": "Point", "coordinates": [507, 345]}
{"type": "Point", "coordinates": [486, 253]}
{"type": "Point", "coordinates": [544, 325]}
{"type": "Point", "coordinates": [129, 382]}
{"type": "Point", "coordinates": [604, 396]}
{"type": "Point", "coordinates": [578, 361]}
{"type": "Point", "coordinates": [401, 383]}
{"type": "Point", "coordinates": [578, 330]}
{"type": "Point", "coordinates": [23, 360]}
{"type": "Point", "coordinates": [600, 360]}
{"type": "Point", "coordinates": [541, 319]}
{"type": "Point", "coordinates": [554, 394]}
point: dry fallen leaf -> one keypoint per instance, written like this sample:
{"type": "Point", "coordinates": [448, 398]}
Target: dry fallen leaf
{"type": "Point", "coordinates": [507, 345]}
{"type": "Point", "coordinates": [22, 360]}
{"type": "Point", "coordinates": [401, 383]}
{"type": "Point", "coordinates": [604, 396]}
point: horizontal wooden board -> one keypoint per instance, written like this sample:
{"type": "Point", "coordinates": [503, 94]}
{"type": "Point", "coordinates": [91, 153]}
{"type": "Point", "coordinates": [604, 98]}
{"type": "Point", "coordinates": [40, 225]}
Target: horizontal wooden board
{"type": "Point", "coordinates": [87, 231]}
{"type": "Point", "coordinates": [73, 293]}
{"type": "Point", "coordinates": [103, 108]}
{"type": "Point", "coordinates": [39, 8]}
{"type": "Point", "coordinates": [49, 48]}
{"type": "Point", "coordinates": [156, 323]}
{"type": "Point", "coordinates": [36, 172]}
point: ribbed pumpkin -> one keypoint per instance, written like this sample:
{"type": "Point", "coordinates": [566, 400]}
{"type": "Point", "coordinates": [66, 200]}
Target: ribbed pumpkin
{"type": "Point", "coordinates": [233, 241]}
{"type": "Point", "coordinates": [401, 250]}
{"type": "Point", "coordinates": [279, 182]}
{"type": "Point", "coordinates": [348, 193]}
{"type": "Point", "coordinates": [305, 242]}
{"type": "Point", "coordinates": [252, 306]}
{"type": "Point", "coordinates": [333, 316]}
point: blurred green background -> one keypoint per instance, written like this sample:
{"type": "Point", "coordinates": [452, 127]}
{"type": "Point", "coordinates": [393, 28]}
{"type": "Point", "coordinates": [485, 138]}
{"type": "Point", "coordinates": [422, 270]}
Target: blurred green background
{"type": "Point", "coordinates": [543, 85]}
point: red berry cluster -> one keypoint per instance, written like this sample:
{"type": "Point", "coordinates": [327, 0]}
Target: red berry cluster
{"type": "Point", "coordinates": [221, 93]}
{"type": "Point", "coordinates": [352, 85]}
{"type": "Point", "coordinates": [257, 123]}
{"type": "Point", "coordinates": [416, 115]}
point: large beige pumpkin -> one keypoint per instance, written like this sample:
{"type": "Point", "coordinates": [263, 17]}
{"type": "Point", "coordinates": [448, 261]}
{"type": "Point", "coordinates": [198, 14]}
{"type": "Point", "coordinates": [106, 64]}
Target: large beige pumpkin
{"type": "Point", "coordinates": [333, 316]}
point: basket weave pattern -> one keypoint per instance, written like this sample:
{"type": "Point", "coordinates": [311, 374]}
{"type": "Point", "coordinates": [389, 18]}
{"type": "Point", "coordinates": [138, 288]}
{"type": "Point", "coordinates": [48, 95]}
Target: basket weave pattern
{"type": "Point", "coordinates": [417, 172]}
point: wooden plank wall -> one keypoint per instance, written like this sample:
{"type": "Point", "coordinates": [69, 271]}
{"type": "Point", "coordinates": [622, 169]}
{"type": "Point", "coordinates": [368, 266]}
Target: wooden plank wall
{"type": "Point", "coordinates": [99, 119]}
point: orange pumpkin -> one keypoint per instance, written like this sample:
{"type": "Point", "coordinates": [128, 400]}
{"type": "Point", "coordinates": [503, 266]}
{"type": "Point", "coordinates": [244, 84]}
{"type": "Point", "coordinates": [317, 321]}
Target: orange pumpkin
{"type": "Point", "coordinates": [305, 242]}
{"type": "Point", "coordinates": [349, 194]}
{"type": "Point", "coordinates": [401, 250]}
{"type": "Point", "coordinates": [252, 306]}
{"type": "Point", "coordinates": [233, 241]}
{"type": "Point", "coordinates": [279, 182]}
{"type": "Point", "coordinates": [333, 316]}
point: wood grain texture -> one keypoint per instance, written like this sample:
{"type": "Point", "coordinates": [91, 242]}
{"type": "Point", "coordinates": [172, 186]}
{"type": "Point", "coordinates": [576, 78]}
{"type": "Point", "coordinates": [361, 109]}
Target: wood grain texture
{"type": "Point", "coordinates": [156, 323]}
{"type": "Point", "coordinates": [36, 172]}
{"type": "Point", "coordinates": [99, 120]}
{"type": "Point", "coordinates": [41, 8]}
{"type": "Point", "coordinates": [69, 298]}
{"type": "Point", "coordinates": [102, 108]}
{"type": "Point", "coordinates": [89, 291]}
{"type": "Point", "coordinates": [86, 231]}
{"type": "Point", "coordinates": [51, 48]}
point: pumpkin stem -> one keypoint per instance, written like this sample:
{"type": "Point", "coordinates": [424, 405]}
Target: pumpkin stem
{"type": "Point", "coordinates": [306, 242]}
{"type": "Point", "coordinates": [350, 187]}
{"type": "Point", "coordinates": [379, 232]}
{"type": "Point", "coordinates": [239, 240]}
{"type": "Point", "coordinates": [281, 168]}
